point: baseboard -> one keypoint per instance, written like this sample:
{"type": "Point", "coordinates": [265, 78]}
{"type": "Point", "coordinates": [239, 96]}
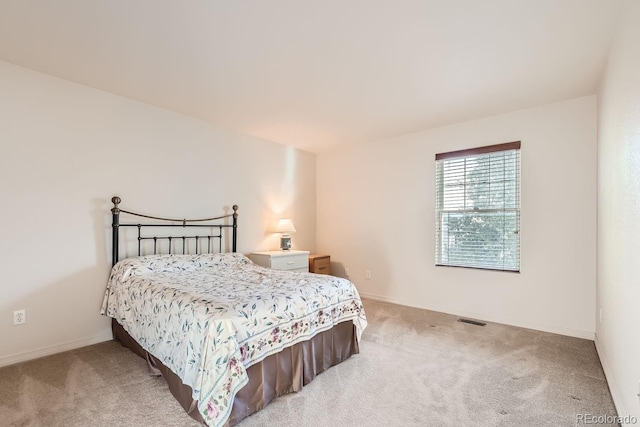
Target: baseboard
{"type": "Point", "coordinates": [53, 349]}
{"type": "Point", "coordinates": [613, 389]}
{"type": "Point", "coordinates": [538, 327]}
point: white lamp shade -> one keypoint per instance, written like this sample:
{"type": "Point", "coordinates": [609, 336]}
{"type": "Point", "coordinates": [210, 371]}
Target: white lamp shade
{"type": "Point", "coordinates": [285, 225]}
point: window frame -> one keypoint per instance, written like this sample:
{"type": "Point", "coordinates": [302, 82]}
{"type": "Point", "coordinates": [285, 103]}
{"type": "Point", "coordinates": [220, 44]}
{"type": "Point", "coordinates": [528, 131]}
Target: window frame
{"type": "Point", "coordinates": [440, 203]}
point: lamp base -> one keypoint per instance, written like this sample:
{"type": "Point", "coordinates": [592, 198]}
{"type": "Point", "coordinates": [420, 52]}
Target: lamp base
{"type": "Point", "coordinates": [285, 243]}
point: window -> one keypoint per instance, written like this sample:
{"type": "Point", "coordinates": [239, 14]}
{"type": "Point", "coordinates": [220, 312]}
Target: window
{"type": "Point", "coordinates": [478, 207]}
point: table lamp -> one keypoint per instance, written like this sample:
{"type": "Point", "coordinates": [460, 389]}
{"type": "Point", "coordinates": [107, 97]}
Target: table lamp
{"type": "Point", "coordinates": [285, 226]}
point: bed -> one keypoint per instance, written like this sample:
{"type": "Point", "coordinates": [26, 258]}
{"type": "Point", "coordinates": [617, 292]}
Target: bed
{"type": "Point", "coordinates": [228, 336]}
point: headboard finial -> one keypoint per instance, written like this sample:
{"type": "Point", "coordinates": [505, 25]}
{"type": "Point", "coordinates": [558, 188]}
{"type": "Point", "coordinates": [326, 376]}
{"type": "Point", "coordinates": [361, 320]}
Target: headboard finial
{"type": "Point", "coordinates": [116, 201]}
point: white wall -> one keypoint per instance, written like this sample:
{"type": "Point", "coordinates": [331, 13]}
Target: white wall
{"type": "Point", "coordinates": [376, 212]}
{"type": "Point", "coordinates": [618, 278]}
{"type": "Point", "coordinates": [66, 149]}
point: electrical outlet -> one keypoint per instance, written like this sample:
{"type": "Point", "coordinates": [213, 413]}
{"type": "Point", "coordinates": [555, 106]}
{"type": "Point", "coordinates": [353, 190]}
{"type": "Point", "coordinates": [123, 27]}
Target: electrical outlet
{"type": "Point", "coordinates": [367, 274]}
{"type": "Point", "coordinates": [346, 272]}
{"type": "Point", "coordinates": [19, 317]}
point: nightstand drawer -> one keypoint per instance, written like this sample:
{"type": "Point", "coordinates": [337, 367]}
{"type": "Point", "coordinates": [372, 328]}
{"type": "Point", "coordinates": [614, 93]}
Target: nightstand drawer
{"type": "Point", "coordinates": [320, 264]}
{"type": "Point", "coordinates": [282, 260]}
{"type": "Point", "coordinates": [289, 262]}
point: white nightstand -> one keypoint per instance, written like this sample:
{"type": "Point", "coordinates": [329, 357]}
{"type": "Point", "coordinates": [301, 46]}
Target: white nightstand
{"type": "Point", "coordinates": [282, 260]}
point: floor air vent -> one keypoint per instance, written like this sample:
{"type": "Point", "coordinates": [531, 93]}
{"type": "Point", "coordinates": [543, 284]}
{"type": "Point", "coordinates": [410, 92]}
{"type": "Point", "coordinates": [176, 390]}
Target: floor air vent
{"type": "Point", "coordinates": [472, 322]}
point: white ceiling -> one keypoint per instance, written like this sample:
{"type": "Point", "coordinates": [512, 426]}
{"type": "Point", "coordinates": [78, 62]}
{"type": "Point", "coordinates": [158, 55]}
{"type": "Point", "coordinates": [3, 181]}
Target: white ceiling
{"type": "Point", "coordinates": [316, 74]}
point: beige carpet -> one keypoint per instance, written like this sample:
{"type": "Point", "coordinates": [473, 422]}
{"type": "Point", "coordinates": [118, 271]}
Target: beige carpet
{"type": "Point", "coordinates": [416, 368]}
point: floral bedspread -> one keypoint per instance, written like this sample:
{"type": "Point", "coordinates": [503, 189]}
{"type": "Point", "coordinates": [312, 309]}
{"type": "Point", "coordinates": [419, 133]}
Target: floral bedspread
{"type": "Point", "coordinates": [208, 317]}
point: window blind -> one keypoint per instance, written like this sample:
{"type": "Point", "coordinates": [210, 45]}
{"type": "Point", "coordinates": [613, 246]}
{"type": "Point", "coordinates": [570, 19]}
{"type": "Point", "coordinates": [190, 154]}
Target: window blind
{"type": "Point", "coordinates": [478, 207]}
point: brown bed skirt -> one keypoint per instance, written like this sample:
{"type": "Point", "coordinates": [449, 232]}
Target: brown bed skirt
{"type": "Point", "coordinates": [281, 373]}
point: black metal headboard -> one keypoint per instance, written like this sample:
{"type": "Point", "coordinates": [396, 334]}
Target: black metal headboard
{"type": "Point", "coordinates": [214, 224]}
